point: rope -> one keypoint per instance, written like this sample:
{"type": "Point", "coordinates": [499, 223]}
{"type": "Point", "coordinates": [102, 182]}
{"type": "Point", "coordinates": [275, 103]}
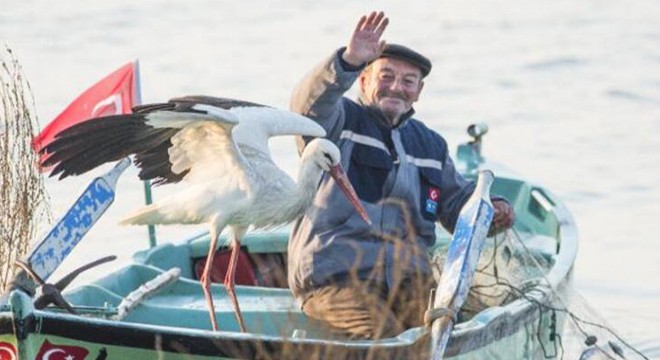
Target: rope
{"type": "Point", "coordinates": [431, 315]}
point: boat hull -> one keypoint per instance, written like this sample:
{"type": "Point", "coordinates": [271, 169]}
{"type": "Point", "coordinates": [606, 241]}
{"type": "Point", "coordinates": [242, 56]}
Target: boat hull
{"type": "Point", "coordinates": [517, 337]}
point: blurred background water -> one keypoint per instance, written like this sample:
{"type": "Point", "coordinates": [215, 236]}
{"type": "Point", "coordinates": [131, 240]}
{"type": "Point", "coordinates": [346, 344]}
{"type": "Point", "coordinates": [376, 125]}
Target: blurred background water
{"type": "Point", "coordinates": [570, 90]}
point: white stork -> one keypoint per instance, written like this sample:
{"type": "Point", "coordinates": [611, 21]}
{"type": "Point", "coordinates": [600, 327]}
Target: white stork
{"type": "Point", "coordinates": [220, 148]}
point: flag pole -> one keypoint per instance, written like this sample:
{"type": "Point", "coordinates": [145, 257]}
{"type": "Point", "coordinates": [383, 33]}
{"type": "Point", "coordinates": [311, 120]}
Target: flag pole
{"type": "Point", "coordinates": [147, 185]}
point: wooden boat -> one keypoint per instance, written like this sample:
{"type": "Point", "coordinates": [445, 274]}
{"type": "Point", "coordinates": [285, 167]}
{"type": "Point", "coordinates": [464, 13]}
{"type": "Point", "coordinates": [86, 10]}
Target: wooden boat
{"type": "Point", "coordinates": [531, 265]}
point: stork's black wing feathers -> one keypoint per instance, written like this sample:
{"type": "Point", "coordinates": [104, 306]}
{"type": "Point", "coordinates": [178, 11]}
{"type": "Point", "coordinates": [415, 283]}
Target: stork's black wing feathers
{"type": "Point", "coordinates": [155, 164]}
{"type": "Point", "coordinates": [224, 103]}
{"type": "Point", "coordinates": [85, 138]}
{"type": "Point", "coordinates": [86, 145]}
{"type": "Point", "coordinates": [147, 108]}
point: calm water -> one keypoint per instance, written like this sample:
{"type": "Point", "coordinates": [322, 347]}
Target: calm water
{"type": "Point", "coordinates": [570, 89]}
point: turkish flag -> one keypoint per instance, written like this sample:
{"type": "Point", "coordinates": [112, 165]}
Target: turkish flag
{"type": "Point", "coordinates": [115, 94]}
{"type": "Point", "coordinates": [50, 351]}
{"type": "Point", "coordinates": [7, 351]}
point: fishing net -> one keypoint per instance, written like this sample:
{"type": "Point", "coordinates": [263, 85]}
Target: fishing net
{"type": "Point", "coordinates": [506, 270]}
{"type": "Point", "coordinates": [514, 266]}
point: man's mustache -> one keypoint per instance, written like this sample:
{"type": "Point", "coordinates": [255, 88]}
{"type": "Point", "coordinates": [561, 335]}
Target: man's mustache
{"type": "Point", "coordinates": [393, 94]}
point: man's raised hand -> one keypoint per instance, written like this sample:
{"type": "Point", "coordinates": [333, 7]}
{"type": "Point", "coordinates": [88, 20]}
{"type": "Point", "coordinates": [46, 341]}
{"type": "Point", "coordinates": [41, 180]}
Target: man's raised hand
{"type": "Point", "coordinates": [365, 44]}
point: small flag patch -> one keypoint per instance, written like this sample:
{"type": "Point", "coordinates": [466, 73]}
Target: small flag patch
{"type": "Point", "coordinates": [432, 200]}
{"type": "Point", "coordinates": [434, 194]}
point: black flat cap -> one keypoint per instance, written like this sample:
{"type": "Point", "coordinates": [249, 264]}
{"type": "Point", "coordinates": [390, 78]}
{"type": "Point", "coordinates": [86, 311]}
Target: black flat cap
{"type": "Point", "coordinates": [407, 54]}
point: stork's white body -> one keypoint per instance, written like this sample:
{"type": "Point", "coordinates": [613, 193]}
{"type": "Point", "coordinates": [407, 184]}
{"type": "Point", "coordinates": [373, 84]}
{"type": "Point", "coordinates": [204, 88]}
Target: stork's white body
{"type": "Point", "coordinates": [219, 147]}
{"type": "Point", "coordinates": [232, 178]}
{"type": "Point", "coordinates": [262, 196]}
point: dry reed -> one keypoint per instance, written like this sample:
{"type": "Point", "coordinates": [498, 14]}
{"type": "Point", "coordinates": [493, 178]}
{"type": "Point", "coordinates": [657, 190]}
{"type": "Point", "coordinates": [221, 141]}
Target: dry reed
{"type": "Point", "coordinates": [23, 197]}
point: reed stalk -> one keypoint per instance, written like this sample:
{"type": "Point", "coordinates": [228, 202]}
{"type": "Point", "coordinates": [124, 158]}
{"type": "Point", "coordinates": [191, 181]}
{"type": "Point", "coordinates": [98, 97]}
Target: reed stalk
{"type": "Point", "coordinates": [23, 197]}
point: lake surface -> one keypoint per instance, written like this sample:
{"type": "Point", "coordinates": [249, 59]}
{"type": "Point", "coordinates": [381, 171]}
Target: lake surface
{"type": "Point", "coordinates": [570, 90]}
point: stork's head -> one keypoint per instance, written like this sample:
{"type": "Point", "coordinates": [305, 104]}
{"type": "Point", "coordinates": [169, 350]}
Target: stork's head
{"type": "Point", "coordinates": [326, 155]}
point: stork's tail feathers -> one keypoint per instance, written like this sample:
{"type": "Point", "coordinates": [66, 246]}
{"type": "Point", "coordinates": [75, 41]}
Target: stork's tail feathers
{"type": "Point", "coordinates": [148, 215]}
{"type": "Point", "coordinates": [160, 214]}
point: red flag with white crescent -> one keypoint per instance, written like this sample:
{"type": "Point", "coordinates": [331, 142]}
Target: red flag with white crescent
{"type": "Point", "coordinates": [115, 94]}
{"type": "Point", "coordinates": [50, 351]}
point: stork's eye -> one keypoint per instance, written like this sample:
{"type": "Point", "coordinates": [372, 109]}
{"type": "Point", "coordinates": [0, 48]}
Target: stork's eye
{"type": "Point", "coordinates": [327, 156]}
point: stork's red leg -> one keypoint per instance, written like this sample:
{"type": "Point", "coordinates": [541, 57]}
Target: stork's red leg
{"type": "Point", "coordinates": [230, 277]}
{"type": "Point", "coordinates": [206, 280]}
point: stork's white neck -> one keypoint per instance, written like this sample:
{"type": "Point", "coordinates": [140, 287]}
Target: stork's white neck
{"type": "Point", "coordinates": [291, 200]}
{"type": "Point", "coordinates": [317, 155]}
{"type": "Point", "coordinates": [309, 176]}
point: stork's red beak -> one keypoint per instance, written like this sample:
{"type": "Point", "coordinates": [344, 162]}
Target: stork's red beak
{"type": "Point", "coordinates": [337, 173]}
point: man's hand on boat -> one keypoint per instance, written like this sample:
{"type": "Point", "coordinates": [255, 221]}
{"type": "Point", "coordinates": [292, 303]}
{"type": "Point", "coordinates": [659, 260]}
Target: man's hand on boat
{"type": "Point", "coordinates": [503, 217]}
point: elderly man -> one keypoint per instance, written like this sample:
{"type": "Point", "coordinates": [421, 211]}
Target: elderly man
{"type": "Point", "coordinates": [373, 281]}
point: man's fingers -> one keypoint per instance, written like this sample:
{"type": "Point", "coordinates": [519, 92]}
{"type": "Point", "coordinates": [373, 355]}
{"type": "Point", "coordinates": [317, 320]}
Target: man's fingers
{"type": "Point", "coordinates": [503, 216]}
{"type": "Point", "coordinates": [382, 26]}
{"type": "Point", "coordinates": [370, 21]}
{"type": "Point", "coordinates": [499, 221]}
{"type": "Point", "coordinates": [507, 216]}
{"type": "Point", "coordinates": [361, 23]}
{"type": "Point", "coordinates": [379, 18]}
{"type": "Point", "coordinates": [375, 21]}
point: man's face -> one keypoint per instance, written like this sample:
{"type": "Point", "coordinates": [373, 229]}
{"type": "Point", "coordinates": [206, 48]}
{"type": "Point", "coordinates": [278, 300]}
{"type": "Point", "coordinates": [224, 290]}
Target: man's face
{"type": "Point", "coordinates": [392, 86]}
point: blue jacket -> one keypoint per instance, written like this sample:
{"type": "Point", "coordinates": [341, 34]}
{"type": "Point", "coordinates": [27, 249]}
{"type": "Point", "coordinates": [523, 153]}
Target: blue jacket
{"type": "Point", "coordinates": [403, 176]}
